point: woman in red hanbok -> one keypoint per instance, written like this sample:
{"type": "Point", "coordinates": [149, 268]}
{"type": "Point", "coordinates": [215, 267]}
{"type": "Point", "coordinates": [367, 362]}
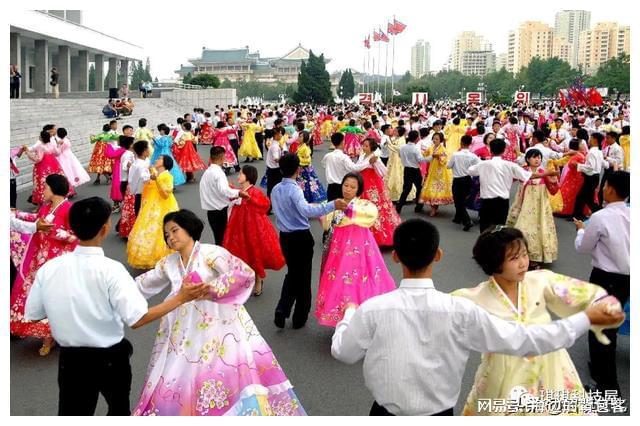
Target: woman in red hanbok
{"type": "Point", "coordinates": [563, 202]}
{"type": "Point", "coordinates": [99, 163]}
{"type": "Point", "coordinates": [250, 234]}
{"type": "Point", "coordinates": [375, 191]}
{"type": "Point", "coordinates": [41, 248]}
{"type": "Point", "coordinates": [185, 153]}
{"type": "Point", "coordinates": [512, 135]}
{"type": "Point", "coordinates": [206, 131]}
{"type": "Point", "coordinates": [44, 154]}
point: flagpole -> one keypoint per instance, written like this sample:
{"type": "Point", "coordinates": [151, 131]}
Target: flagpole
{"type": "Point", "coordinates": [369, 68]}
{"type": "Point", "coordinates": [386, 62]}
{"type": "Point", "coordinates": [364, 68]}
{"type": "Point", "coordinates": [379, 42]}
{"type": "Point", "coordinates": [373, 69]}
{"type": "Point", "coordinates": [393, 58]}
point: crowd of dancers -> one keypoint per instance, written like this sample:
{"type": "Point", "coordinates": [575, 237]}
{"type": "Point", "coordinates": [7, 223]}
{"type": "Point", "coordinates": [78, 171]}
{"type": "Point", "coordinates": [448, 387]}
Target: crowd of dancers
{"type": "Point", "coordinates": [210, 359]}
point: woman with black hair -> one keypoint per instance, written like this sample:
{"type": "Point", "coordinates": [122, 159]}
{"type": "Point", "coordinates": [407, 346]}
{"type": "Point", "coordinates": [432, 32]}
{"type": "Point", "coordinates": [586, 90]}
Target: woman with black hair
{"type": "Point", "coordinates": [42, 247]}
{"type": "Point", "coordinates": [513, 294]}
{"type": "Point", "coordinates": [353, 269]}
{"type": "Point", "coordinates": [209, 359]}
{"type": "Point", "coordinates": [44, 155]}
{"type": "Point", "coordinates": [146, 243]}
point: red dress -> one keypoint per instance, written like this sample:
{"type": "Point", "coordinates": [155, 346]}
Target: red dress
{"type": "Point", "coordinates": [41, 248]}
{"type": "Point", "coordinates": [127, 215]}
{"type": "Point", "coordinates": [186, 155]}
{"type": "Point", "coordinates": [570, 186]}
{"type": "Point", "coordinates": [250, 235]}
{"type": "Point", "coordinates": [388, 219]}
{"type": "Point", "coordinates": [206, 134]}
{"type": "Point", "coordinates": [46, 163]}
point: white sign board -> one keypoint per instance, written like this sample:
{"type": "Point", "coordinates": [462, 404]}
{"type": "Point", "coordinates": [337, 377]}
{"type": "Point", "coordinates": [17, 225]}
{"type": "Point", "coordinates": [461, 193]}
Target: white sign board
{"type": "Point", "coordinates": [523, 97]}
{"type": "Point", "coordinates": [365, 98]}
{"type": "Point", "coordinates": [474, 97]}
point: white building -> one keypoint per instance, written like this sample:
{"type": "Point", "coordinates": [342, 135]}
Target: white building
{"type": "Point", "coordinates": [478, 62]}
{"type": "Point", "coordinates": [420, 59]}
{"type": "Point", "coordinates": [568, 26]}
{"type": "Point", "coordinates": [42, 39]}
{"type": "Point", "coordinates": [464, 42]}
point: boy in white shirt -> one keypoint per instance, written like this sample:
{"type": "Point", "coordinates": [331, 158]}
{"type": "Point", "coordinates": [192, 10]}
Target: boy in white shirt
{"type": "Point", "coordinates": [139, 173]}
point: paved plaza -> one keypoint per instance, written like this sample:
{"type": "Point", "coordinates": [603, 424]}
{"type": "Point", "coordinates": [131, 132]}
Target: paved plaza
{"type": "Point", "coordinates": [324, 385]}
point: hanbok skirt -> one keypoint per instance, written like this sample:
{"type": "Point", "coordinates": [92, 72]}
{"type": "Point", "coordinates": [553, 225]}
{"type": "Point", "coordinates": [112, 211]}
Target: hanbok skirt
{"type": "Point", "coordinates": [388, 219]}
{"type": "Point", "coordinates": [353, 271]}
{"type": "Point", "coordinates": [49, 165]}
{"type": "Point", "coordinates": [352, 145]}
{"type": "Point", "coordinates": [188, 158]}
{"type": "Point", "coordinates": [127, 215]}
{"type": "Point", "coordinates": [72, 168]}
{"type": "Point", "coordinates": [308, 181]}
{"type": "Point", "coordinates": [99, 163]}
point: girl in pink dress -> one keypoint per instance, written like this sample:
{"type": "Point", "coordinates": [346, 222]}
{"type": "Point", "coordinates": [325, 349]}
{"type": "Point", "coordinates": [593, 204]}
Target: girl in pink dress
{"type": "Point", "coordinates": [41, 248]}
{"type": "Point", "coordinates": [353, 269]}
{"type": "Point", "coordinates": [221, 138]}
{"type": "Point", "coordinates": [44, 154]}
{"type": "Point", "coordinates": [71, 166]}
{"type": "Point", "coordinates": [512, 135]}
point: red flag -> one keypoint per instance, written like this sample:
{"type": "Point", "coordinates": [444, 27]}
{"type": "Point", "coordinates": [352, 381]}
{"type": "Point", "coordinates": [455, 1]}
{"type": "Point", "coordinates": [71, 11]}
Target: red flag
{"type": "Point", "coordinates": [594, 98]}
{"type": "Point", "coordinates": [367, 42]}
{"type": "Point", "coordinates": [563, 100]}
{"type": "Point", "coordinates": [383, 36]}
{"type": "Point", "coordinates": [398, 26]}
{"type": "Point", "coordinates": [376, 36]}
{"type": "Point", "coordinates": [390, 28]}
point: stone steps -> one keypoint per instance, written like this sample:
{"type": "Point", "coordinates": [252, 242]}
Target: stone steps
{"type": "Point", "coordinates": [81, 118]}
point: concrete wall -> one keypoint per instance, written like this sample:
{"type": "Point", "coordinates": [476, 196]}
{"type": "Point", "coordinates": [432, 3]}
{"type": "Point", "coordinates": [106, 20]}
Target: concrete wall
{"type": "Point", "coordinates": [205, 98]}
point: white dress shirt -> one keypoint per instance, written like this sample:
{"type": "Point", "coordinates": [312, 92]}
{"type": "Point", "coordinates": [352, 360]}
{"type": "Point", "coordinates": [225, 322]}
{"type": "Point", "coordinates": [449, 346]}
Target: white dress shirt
{"type": "Point", "coordinates": [416, 341]}
{"type": "Point", "coordinates": [384, 150]}
{"type": "Point", "coordinates": [496, 177]}
{"type": "Point", "coordinates": [607, 237]}
{"type": "Point", "coordinates": [460, 162]}
{"type": "Point", "coordinates": [215, 192]}
{"type": "Point", "coordinates": [87, 307]}
{"type": "Point", "coordinates": [273, 155]}
{"type": "Point", "coordinates": [411, 155]}
{"type": "Point", "coordinates": [337, 164]}
{"type": "Point", "coordinates": [22, 226]}
{"type": "Point", "coordinates": [547, 153]}
{"type": "Point", "coordinates": [138, 175]}
{"type": "Point", "coordinates": [613, 154]}
{"type": "Point", "coordinates": [593, 164]}
{"type": "Point", "coordinates": [126, 161]}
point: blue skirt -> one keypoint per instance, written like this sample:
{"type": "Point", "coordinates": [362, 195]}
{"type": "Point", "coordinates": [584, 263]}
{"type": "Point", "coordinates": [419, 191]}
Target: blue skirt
{"type": "Point", "coordinates": [178, 176]}
{"type": "Point", "coordinates": [308, 181]}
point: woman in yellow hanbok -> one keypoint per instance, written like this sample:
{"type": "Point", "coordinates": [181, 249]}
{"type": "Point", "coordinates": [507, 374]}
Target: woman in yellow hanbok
{"type": "Point", "coordinates": [394, 179]}
{"type": "Point", "coordinates": [513, 294]}
{"type": "Point", "coordinates": [146, 245]}
{"type": "Point", "coordinates": [436, 189]}
{"type": "Point", "coordinates": [249, 147]}
{"type": "Point", "coordinates": [453, 132]}
{"type": "Point", "coordinates": [625, 143]}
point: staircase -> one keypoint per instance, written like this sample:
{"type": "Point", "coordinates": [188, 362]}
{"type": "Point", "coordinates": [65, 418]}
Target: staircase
{"type": "Point", "coordinates": [81, 118]}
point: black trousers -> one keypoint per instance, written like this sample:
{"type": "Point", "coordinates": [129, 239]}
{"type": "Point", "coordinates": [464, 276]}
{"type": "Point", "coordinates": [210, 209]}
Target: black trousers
{"type": "Point", "coordinates": [385, 160]}
{"type": "Point", "coordinates": [379, 410]}
{"type": "Point", "coordinates": [260, 142]}
{"type": "Point", "coordinates": [602, 365]}
{"type": "Point", "coordinates": [84, 373]}
{"type": "Point", "coordinates": [123, 188]}
{"type": "Point", "coordinates": [585, 196]}
{"type": "Point", "coordinates": [137, 203]}
{"type": "Point", "coordinates": [461, 189]}
{"type": "Point", "coordinates": [15, 91]}
{"type": "Point", "coordinates": [13, 193]}
{"type": "Point", "coordinates": [274, 177]}
{"type": "Point", "coordinates": [13, 272]}
{"type": "Point", "coordinates": [605, 176]}
{"type": "Point", "coordinates": [334, 191]}
{"type": "Point", "coordinates": [235, 145]}
{"type": "Point", "coordinates": [218, 223]}
{"type": "Point", "coordinates": [493, 211]}
{"type": "Point", "coordinates": [412, 178]}
{"type": "Point", "coordinates": [297, 248]}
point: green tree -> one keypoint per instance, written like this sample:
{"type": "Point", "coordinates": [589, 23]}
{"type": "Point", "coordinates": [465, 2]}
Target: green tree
{"type": "Point", "coordinates": [138, 75]}
{"type": "Point", "coordinates": [347, 86]}
{"type": "Point", "coordinates": [187, 78]}
{"type": "Point", "coordinates": [614, 74]}
{"type": "Point", "coordinates": [226, 84]}
{"type": "Point", "coordinates": [314, 82]}
{"type": "Point", "coordinates": [546, 76]}
{"type": "Point", "coordinates": [206, 80]}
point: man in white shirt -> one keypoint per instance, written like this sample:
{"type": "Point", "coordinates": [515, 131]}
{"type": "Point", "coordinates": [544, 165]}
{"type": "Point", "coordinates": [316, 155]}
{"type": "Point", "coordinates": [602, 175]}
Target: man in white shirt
{"type": "Point", "coordinates": [539, 142]}
{"type": "Point", "coordinates": [87, 297]}
{"type": "Point", "coordinates": [385, 138]}
{"type": "Point", "coordinates": [560, 137]}
{"type": "Point", "coordinates": [139, 172]}
{"type": "Point", "coordinates": [496, 178]}
{"type": "Point", "coordinates": [411, 158]}
{"type": "Point", "coordinates": [613, 156]}
{"type": "Point", "coordinates": [607, 238]}
{"type": "Point", "coordinates": [216, 194]}
{"type": "Point", "coordinates": [420, 333]}
{"type": "Point", "coordinates": [337, 164]}
{"type": "Point", "coordinates": [590, 170]}
{"type": "Point", "coordinates": [460, 162]}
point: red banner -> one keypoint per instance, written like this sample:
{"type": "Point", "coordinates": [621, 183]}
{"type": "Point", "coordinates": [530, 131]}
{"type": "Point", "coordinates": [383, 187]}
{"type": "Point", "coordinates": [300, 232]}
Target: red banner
{"type": "Point", "coordinates": [398, 26]}
{"type": "Point", "coordinates": [384, 37]}
{"type": "Point", "coordinates": [367, 42]}
{"type": "Point", "coordinates": [376, 36]}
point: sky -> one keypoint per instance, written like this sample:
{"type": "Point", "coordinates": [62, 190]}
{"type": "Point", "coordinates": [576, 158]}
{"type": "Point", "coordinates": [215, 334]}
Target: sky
{"type": "Point", "coordinates": [336, 28]}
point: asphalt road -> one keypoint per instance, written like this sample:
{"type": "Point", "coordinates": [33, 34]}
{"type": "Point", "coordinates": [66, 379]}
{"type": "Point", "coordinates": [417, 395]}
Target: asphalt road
{"type": "Point", "coordinates": [324, 385]}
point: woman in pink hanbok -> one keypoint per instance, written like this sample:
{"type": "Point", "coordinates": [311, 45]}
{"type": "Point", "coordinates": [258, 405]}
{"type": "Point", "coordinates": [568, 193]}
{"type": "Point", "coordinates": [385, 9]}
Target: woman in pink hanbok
{"type": "Point", "coordinates": [221, 138]}
{"type": "Point", "coordinates": [71, 166]}
{"type": "Point", "coordinates": [353, 269]}
{"type": "Point", "coordinates": [44, 154]}
{"type": "Point", "coordinates": [511, 133]}
{"type": "Point", "coordinates": [209, 358]}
